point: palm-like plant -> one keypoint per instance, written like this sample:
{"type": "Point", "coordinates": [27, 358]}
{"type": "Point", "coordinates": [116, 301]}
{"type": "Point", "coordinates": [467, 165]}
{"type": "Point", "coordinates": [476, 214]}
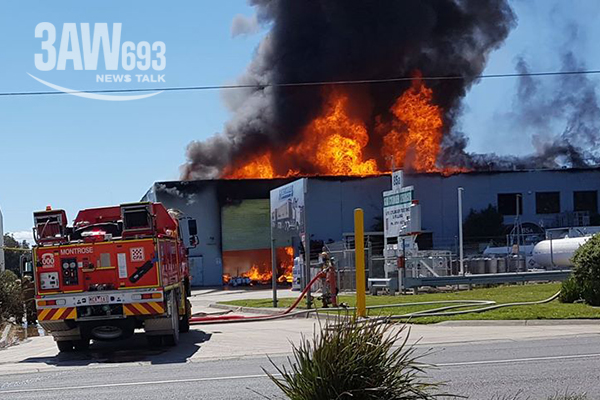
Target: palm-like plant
{"type": "Point", "coordinates": [354, 359]}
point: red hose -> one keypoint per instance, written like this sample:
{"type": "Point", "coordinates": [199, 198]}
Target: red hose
{"type": "Point", "coordinates": [225, 318]}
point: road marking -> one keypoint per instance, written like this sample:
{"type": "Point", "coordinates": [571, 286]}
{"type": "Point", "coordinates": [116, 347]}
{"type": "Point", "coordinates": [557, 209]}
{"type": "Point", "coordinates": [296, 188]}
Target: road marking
{"type": "Point", "coordinates": [224, 378]}
{"type": "Point", "coordinates": [515, 360]}
{"type": "Point", "coordinates": [111, 385]}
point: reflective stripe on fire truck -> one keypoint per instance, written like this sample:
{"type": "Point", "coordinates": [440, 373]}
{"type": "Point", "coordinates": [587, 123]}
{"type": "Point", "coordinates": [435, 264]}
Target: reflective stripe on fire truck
{"type": "Point", "coordinates": [53, 314]}
{"type": "Point", "coordinates": [148, 308]}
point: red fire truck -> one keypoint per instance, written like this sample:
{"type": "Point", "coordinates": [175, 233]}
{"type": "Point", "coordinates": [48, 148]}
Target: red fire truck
{"type": "Point", "coordinates": [115, 270]}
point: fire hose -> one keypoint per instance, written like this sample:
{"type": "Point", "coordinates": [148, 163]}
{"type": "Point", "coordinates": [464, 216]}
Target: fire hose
{"type": "Point", "coordinates": [450, 308]}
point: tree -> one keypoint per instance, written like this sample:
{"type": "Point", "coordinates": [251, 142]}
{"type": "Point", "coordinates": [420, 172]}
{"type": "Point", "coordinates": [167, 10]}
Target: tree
{"type": "Point", "coordinates": [585, 280]}
{"type": "Point", "coordinates": [12, 257]}
{"type": "Point", "coordinates": [484, 225]}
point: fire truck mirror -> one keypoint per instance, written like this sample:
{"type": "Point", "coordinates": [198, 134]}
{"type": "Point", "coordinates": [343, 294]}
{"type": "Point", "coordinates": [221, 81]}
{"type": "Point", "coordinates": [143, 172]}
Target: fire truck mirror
{"type": "Point", "coordinates": [193, 241]}
{"type": "Point", "coordinates": [192, 228]}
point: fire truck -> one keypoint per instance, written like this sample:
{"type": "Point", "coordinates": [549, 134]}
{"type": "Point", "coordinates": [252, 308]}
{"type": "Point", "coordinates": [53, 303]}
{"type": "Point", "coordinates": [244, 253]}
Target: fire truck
{"type": "Point", "coordinates": [115, 270]}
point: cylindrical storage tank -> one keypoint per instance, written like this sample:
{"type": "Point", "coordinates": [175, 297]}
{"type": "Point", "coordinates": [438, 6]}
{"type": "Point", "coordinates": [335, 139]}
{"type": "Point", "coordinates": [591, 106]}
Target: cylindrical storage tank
{"type": "Point", "coordinates": [491, 265]}
{"type": "Point", "coordinates": [557, 252]}
{"type": "Point", "coordinates": [501, 265]}
{"type": "Point", "coordinates": [522, 265]}
{"type": "Point", "coordinates": [480, 266]}
{"type": "Point", "coordinates": [511, 264]}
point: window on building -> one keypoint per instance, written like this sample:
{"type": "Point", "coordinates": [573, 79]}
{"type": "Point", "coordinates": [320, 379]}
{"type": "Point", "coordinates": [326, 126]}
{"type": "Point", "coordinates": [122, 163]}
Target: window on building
{"type": "Point", "coordinates": [507, 203]}
{"type": "Point", "coordinates": [547, 202]}
{"type": "Point", "coordinates": [586, 201]}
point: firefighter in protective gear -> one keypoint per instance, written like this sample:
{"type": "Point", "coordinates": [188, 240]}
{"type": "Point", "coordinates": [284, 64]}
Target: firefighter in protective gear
{"type": "Point", "coordinates": [328, 281]}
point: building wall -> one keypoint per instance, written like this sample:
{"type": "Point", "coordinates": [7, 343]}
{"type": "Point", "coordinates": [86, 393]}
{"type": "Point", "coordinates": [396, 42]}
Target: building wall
{"type": "Point", "coordinates": [331, 202]}
{"type": "Point", "coordinates": [438, 195]}
{"type": "Point", "coordinates": [201, 204]}
{"type": "Point", "coordinates": [330, 205]}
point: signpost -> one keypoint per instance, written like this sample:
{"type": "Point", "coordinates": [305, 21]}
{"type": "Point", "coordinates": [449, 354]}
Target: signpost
{"type": "Point", "coordinates": [401, 219]}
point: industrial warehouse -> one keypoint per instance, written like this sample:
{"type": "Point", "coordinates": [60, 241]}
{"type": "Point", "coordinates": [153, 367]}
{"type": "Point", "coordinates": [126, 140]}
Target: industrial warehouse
{"type": "Point", "coordinates": [232, 216]}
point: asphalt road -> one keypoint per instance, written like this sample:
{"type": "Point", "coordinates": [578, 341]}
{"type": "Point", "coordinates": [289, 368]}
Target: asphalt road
{"type": "Point", "coordinates": [535, 368]}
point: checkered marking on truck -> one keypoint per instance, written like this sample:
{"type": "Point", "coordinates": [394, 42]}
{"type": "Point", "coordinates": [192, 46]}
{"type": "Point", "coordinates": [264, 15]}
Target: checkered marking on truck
{"type": "Point", "coordinates": [54, 314]}
{"type": "Point", "coordinates": [149, 308]}
{"type": "Point", "coordinates": [137, 254]}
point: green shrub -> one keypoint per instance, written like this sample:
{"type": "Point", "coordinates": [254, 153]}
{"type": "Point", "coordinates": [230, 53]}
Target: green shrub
{"type": "Point", "coordinates": [570, 291]}
{"type": "Point", "coordinates": [10, 296]}
{"type": "Point", "coordinates": [585, 282]}
{"type": "Point", "coordinates": [351, 359]}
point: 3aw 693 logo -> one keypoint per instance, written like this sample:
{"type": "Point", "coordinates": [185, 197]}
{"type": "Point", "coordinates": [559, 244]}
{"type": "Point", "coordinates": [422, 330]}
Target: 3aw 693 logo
{"type": "Point", "coordinates": [79, 50]}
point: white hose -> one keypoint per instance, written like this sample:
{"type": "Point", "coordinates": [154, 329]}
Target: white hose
{"type": "Point", "coordinates": [488, 305]}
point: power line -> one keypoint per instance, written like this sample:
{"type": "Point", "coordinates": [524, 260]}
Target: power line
{"type": "Point", "coordinates": [307, 84]}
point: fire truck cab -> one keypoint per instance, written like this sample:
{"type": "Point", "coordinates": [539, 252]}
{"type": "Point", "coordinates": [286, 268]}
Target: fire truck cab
{"type": "Point", "coordinates": [115, 270]}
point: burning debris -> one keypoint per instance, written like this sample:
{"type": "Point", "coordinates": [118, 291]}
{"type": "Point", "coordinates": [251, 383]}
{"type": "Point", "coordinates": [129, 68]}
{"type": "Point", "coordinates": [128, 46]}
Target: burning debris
{"type": "Point", "coordinates": [246, 267]}
{"type": "Point", "coordinates": [353, 129]}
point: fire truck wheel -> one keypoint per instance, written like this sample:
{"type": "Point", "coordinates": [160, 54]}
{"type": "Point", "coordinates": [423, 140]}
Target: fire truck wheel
{"type": "Point", "coordinates": [65, 346]}
{"type": "Point", "coordinates": [173, 338]}
{"type": "Point", "coordinates": [184, 322]}
{"type": "Point", "coordinates": [81, 345]}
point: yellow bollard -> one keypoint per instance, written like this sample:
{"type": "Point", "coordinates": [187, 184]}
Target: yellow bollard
{"type": "Point", "coordinates": [359, 256]}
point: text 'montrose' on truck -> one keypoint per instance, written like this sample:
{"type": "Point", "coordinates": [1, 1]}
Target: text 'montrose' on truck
{"type": "Point", "coordinates": [115, 270]}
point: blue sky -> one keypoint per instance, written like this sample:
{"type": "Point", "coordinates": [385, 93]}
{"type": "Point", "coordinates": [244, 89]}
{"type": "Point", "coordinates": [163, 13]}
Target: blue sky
{"type": "Point", "coordinates": [75, 153]}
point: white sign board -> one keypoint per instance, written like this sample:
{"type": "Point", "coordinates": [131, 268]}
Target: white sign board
{"type": "Point", "coordinates": [287, 212]}
{"type": "Point", "coordinates": [397, 180]}
{"type": "Point", "coordinates": [396, 211]}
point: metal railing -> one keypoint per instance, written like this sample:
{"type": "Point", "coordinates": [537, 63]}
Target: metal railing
{"type": "Point", "coordinates": [485, 279]}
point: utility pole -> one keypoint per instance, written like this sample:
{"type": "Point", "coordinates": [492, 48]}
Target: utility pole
{"type": "Point", "coordinates": [359, 257]}
{"type": "Point", "coordinates": [460, 232]}
{"type": "Point", "coordinates": [274, 270]}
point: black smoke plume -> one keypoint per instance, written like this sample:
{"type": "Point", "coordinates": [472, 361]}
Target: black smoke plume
{"type": "Point", "coordinates": [562, 115]}
{"type": "Point", "coordinates": [332, 40]}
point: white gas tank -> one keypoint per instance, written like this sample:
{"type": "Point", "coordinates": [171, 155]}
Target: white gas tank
{"type": "Point", "coordinates": [557, 252]}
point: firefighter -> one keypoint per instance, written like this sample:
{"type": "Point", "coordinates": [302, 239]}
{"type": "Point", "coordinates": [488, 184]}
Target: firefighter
{"type": "Point", "coordinates": [328, 280]}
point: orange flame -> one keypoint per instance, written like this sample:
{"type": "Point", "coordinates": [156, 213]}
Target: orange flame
{"type": "Point", "coordinates": [336, 143]}
{"type": "Point", "coordinates": [286, 264]}
{"type": "Point", "coordinates": [256, 276]}
{"type": "Point", "coordinates": [259, 167]}
{"type": "Point", "coordinates": [416, 133]}
{"type": "Point", "coordinates": [258, 265]}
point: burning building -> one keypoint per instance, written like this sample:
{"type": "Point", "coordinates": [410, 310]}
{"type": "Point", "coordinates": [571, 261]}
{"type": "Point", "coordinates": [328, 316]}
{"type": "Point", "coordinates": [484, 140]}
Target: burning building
{"type": "Point", "coordinates": [233, 217]}
{"type": "Point", "coordinates": [343, 92]}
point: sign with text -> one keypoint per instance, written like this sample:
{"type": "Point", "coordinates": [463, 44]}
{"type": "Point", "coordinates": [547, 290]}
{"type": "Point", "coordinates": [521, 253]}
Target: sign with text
{"type": "Point", "coordinates": [396, 210]}
{"type": "Point", "coordinates": [397, 180]}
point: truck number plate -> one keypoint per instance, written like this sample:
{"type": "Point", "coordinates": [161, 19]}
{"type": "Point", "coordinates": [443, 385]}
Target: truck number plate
{"type": "Point", "coordinates": [98, 299]}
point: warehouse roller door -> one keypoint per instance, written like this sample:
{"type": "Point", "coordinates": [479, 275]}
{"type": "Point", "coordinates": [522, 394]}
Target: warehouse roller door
{"type": "Point", "coordinates": [245, 225]}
